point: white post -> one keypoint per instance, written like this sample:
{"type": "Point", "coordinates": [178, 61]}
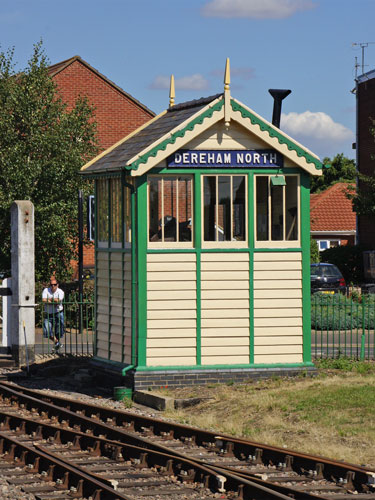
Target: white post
{"type": "Point", "coordinates": [23, 282]}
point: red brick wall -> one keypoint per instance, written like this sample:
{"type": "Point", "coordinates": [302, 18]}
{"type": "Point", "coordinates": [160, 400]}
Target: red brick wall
{"type": "Point", "coordinates": [366, 152]}
{"type": "Point", "coordinates": [116, 115]}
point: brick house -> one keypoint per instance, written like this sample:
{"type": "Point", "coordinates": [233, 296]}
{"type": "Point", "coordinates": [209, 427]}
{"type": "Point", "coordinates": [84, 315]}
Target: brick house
{"type": "Point", "coordinates": [333, 221]}
{"type": "Point", "coordinates": [117, 113]}
{"type": "Point", "coordinates": [365, 95]}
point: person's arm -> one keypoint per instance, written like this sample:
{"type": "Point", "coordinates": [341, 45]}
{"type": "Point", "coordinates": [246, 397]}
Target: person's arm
{"type": "Point", "coordinates": [49, 300]}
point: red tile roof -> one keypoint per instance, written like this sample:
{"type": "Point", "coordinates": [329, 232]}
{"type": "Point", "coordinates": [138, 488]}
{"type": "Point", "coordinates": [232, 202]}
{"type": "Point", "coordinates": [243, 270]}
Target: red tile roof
{"type": "Point", "coordinates": [331, 210]}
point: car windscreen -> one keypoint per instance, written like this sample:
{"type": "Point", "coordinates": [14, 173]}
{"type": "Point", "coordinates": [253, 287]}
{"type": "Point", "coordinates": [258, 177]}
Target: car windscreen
{"type": "Point", "coordinates": [325, 271]}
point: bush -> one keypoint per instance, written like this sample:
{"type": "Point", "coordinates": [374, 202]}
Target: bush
{"type": "Point", "coordinates": [314, 251]}
{"type": "Point", "coordinates": [349, 259]}
{"type": "Point", "coordinates": [334, 312]}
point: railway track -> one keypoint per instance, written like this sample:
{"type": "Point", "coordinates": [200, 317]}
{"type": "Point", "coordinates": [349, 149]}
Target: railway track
{"type": "Point", "coordinates": [106, 444]}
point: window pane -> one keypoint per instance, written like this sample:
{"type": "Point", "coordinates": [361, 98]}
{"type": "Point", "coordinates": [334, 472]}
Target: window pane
{"type": "Point", "coordinates": [102, 210]}
{"type": "Point", "coordinates": [115, 190]}
{"type": "Point", "coordinates": [239, 204]}
{"type": "Point", "coordinates": [155, 209]}
{"type": "Point", "coordinates": [277, 213]}
{"type": "Point", "coordinates": [224, 227]}
{"type": "Point", "coordinates": [291, 208]}
{"type": "Point", "coordinates": [184, 208]}
{"type": "Point", "coordinates": [127, 211]}
{"type": "Point", "coordinates": [262, 208]}
{"type": "Point", "coordinates": [209, 208]}
{"type": "Point", "coordinates": [170, 209]}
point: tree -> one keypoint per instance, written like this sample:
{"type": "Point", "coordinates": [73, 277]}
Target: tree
{"type": "Point", "coordinates": [342, 169]}
{"type": "Point", "coordinates": [314, 251]}
{"type": "Point", "coordinates": [42, 147]}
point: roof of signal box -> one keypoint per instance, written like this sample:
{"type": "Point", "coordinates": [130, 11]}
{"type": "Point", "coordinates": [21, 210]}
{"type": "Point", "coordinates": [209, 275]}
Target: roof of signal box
{"type": "Point", "coordinates": [175, 127]}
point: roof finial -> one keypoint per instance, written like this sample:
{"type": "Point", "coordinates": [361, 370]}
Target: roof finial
{"type": "Point", "coordinates": [227, 108]}
{"type": "Point", "coordinates": [227, 75]}
{"type": "Point", "coordinates": [172, 94]}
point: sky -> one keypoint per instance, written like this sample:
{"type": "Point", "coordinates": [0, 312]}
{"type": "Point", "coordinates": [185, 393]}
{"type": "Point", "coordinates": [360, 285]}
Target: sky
{"type": "Point", "coordinates": [308, 46]}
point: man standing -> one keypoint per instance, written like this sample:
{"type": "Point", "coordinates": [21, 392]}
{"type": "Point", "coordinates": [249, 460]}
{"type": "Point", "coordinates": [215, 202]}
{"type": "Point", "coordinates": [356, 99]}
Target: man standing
{"type": "Point", "coordinates": [53, 324]}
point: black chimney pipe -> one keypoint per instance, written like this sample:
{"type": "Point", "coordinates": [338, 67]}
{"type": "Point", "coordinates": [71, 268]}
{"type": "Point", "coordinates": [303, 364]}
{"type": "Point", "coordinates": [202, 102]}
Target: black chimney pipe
{"type": "Point", "coordinates": [278, 95]}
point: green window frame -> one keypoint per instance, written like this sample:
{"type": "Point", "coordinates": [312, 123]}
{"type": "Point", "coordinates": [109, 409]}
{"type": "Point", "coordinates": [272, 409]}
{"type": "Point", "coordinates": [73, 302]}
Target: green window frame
{"type": "Point", "coordinates": [170, 211]}
{"type": "Point", "coordinates": [224, 211]}
{"type": "Point", "coordinates": [277, 211]}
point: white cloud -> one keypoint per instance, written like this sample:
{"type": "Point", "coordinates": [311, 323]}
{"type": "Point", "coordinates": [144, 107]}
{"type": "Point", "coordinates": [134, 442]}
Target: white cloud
{"type": "Point", "coordinates": [190, 82]}
{"type": "Point", "coordinates": [318, 132]}
{"type": "Point", "coordinates": [255, 9]}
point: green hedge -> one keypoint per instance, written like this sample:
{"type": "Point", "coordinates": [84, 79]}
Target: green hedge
{"type": "Point", "coordinates": [349, 259]}
{"type": "Point", "coordinates": [334, 312]}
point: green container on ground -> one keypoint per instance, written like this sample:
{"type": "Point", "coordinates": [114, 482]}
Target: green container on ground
{"type": "Point", "coordinates": [120, 393]}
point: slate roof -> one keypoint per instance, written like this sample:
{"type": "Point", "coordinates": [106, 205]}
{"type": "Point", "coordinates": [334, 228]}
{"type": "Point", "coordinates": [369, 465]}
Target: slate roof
{"type": "Point", "coordinates": [55, 69]}
{"type": "Point", "coordinates": [162, 131]}
{"type": "Point", "coordinates": [117, 158]}
{"type": "Point", "coordinates": [331, 210]}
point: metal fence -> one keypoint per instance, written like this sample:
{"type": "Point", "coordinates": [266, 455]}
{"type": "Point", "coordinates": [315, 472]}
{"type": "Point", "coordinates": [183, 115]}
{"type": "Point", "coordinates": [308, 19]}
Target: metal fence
{"type": "Point", "coordinates": [343, 326]}
{"type": "Point", "coordinates": [79, 331]}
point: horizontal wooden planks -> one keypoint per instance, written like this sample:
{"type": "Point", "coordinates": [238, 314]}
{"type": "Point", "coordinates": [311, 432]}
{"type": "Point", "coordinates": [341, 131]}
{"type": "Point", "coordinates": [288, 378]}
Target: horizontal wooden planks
{"type": "Point", "coordinates": [171, 309]}
{"type": "Point", "coordinates": [225, 314]}
{"type": "Point", "coordinates": [278, 335]}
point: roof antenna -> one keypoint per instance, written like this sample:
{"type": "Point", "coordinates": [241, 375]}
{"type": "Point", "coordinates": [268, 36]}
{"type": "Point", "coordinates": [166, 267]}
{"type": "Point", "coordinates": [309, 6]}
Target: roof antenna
{"type": "Point", "coordinates": [227, 93]}
{"type": "Point", "coordinates": [172, 93]}
{"type": "Point", "coordinates": [278, 95]}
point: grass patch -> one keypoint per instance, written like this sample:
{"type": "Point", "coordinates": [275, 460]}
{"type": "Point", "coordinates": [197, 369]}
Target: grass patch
{"type": "Point", "coordinates": [330, 415]}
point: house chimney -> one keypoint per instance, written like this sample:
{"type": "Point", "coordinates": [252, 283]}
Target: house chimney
{"type": "Point", "coordinates": [278, 95]}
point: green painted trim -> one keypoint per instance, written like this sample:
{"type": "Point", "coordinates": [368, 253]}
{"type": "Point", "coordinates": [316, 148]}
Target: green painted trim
{"type": "Point", "coordinates": [126, 369]}
{"type": "Point", "coordinates": [275, 132]}
{"type": "Point", "coordinates": [178, 134]}
{"type": "Point", "coordinates": [250, 238]}
{"type": "Point", "coordinates": [142, 267]}
{"type": "Point", "coordinates": [197, 239]}
{"type": "Point", "coordinates": [95, 345]}
{"type": "Point", "coordinates": [277, 250]}
{"type": "Point", "coordinates": [306, 280]}
{"type": "Point", "coordinates": [134, 285]}
{"type": "Point", "coordinates": [101, 175]}
{"type": "Point", "coordinates": [221, 367]}
{"type": "Point", "coordinates": [122, 269]}
{"type": "Point", "coordinates": [225, 171]}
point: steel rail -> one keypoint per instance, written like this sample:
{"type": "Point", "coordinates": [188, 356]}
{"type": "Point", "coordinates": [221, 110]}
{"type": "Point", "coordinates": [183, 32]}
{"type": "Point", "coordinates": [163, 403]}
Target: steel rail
{"type": "Point", "coordinates": [187, 470]}
{"type": "Point", "coordinates": [249, 452]}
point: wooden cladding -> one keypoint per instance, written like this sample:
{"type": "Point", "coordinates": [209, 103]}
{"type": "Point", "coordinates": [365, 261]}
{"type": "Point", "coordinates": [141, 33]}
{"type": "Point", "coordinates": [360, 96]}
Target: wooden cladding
{"type": "Point", "coordinates": [278, 334]}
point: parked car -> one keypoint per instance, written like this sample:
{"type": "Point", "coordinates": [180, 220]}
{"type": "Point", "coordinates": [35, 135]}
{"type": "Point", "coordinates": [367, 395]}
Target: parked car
{"type": "Point", "coordinates": [327, 278]}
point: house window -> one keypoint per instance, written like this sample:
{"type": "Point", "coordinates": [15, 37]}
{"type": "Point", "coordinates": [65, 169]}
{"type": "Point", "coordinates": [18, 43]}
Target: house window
{"type": "Point", "coordinates": [325, 244]}
{"type": "Point", "coordinates": [277, 210]}
{"type": "Point", "coordinates": [170, 221]}
{"type": "Point", "coordinates": [102, 212]}
{"type": "Point", "coordinates": [224, 210]}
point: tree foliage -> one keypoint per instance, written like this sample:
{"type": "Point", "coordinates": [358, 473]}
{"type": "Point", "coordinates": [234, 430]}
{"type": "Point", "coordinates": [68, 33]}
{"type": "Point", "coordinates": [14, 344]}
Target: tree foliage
{"type": "Point", "coordinates": [342, 169]}
{"type": "Point", "coordinates": [314, 251]}
{"type": "Point", "coordinates": [43, 144]}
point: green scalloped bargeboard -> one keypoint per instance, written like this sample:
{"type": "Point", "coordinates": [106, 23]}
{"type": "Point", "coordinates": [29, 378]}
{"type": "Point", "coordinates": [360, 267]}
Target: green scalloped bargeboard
{"type": "Point", "coordinates": [272, 132]}
{"type": "Point", "coordinates": [180, 133]}
{"type": "Point", "coordinates": [255, 120]}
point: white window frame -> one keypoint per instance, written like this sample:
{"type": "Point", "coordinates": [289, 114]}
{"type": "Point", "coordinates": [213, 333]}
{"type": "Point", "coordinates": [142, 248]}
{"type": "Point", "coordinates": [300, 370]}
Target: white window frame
{"type": "Point", "coordinates": [170, 244]}
{"type": "Point", "coordinates": [329, 243]}
{"type": "Point", "coordinates": [277, 243]}
{"type": "Point", "coordinates": [224, 244]}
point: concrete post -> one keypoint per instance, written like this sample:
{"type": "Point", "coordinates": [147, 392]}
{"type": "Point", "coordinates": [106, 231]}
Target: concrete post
{"type": "Point", "coordinates": [23, 282]}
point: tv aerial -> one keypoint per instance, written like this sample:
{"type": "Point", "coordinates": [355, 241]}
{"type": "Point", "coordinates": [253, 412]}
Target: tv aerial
{"type": "Point", "coordinates": [363, 46]}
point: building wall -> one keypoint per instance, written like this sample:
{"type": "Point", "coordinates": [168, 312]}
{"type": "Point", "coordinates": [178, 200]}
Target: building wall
{"type": "Point", "coordinates": [113, 306]}
{"type": "Point", "coordinates": [366, 150]}
{"type": "Point", "coordinates": [116, 115]}
{"type": "Point", "coordinates": [223, 307]}
{"type": "Point", "coordinates": [278, 329]}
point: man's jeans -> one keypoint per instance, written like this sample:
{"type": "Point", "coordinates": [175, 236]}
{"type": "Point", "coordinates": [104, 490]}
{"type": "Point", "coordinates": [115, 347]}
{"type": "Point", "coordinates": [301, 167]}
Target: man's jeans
{"type": "Point", "coordinates": [54, 324]}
